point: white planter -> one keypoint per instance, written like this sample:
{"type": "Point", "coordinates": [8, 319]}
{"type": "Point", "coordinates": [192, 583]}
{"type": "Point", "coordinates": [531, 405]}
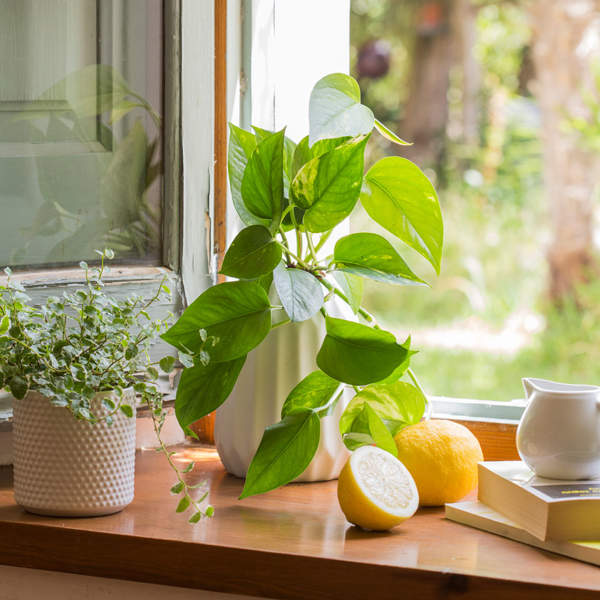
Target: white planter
{"type": "Point", "coordinates": [271, 371]}
{"type": "Point", "coordinates": [71, 468]}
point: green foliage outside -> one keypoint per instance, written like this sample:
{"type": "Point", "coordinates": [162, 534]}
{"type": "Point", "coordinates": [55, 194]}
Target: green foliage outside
{"type": "Point", "coordinates": [494, 268]}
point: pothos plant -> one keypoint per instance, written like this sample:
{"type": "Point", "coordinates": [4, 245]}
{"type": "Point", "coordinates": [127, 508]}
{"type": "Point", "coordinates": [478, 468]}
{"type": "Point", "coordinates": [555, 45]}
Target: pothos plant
{"type": "Point", "coordinates": [85, 342]}
{"type": "Point", "coordinates": [290, 198]}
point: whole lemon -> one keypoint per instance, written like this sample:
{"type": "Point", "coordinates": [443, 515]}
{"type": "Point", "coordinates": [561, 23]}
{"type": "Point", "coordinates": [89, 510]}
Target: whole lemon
{"type": "Point", "coordinates": [442, 457]}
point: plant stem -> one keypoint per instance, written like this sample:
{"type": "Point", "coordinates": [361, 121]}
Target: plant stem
{"type": "Point", "coordinates": [284, 244]}
{"type": "Point", "coordinates": [167, 453]}
{"type": "Point", "coordinates": [311, 248]}
{"type": "Point", "coordinates": [416, 383]}
{"type": "Point", "coordinates": [286, 211]}
{"type": "Point", "coordinates": [323, 239]}
{"type": "Point", "coordinates": [361, 311]}
{"type": "Point", "coordinates": [284, 322]}
{"type": "Point", "coordinates": [294, 256]}
{"type": "Point", "coordinates": [298, 242]}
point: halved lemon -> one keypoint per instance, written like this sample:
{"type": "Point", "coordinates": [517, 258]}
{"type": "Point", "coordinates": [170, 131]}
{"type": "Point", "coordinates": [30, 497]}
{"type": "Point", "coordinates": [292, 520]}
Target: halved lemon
{"type": "Point", "coordinates": [375, 490]}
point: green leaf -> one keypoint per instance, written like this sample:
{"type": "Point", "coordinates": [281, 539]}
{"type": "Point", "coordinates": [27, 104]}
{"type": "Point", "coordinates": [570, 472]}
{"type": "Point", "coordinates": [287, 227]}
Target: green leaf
{"type": "Point", "coordinates": [285, 451]}
{"type": "Point", "coordinates": [369, 424]}
{"type": "Point", "coordinates": [252, 254]}
{"type": "Point", "coordinates": [195, 486]}
{"type": "Point", "coordinates": [289, 148]}
{"type": "Point", "coordinates": [236, 312]}
{"type": "Point", "coordinates": [358, 354]}
{"type": "Point", "coordinates": [241, 145]}
{"type": "Point", "coordinates": [167, 363]}
{"type": "Point", "coordinates": [183, 504]}
{"type": "Point", "coordinates": [299, 291]}
{"type": "Point", "coordinates": [4, 325]}
{"type": "Point", "coordinates": [188, 467]}
{"type": "Point", "coordinates": [323, 146]}
{"type": "Point", "coordinates": [302, 154]}
{"type": "Point", "coordinates": [335, 110]}
{"type": "Point", "coordinates": [287, 223]}
{"type": "Point", "coordinates": [203, 389]}
{"type": "Point", "coordinates": [108, 403]}
{"type": "Point", "coordinates": [399, 404]}
{"type": "Point", "coordinates": [261, 134]}
{"type": "Point", "coordinates": [390, 135]}
{"type": "Point", "coordinates": [328, 187]}
{"type": "Point", "coordinates": [177, 488]}
{"type": "Point", "coordinates": [352, 287]}
{"type": "Point", "coordinates": [195, 517]}
{"type": "Point", "coordinates": [401, 368]}
{"type": "Point", "coordinates": [370, 255]}
{"type": "Point", "coordinates": [397, 195]}
{"type": "Point", "coordinates": [18, 387]}
{"type": "Point", "coordinates": [126, 410]}
{"type": "Point", "coordinates": [84, 413]}
{"type": "Point", "coordinates": [354, 440]}
{"type": "Point", "coordinates": [262, 183]}
{"type": "Point", "coordinates": [187, 360]}
{"type": "Point", "coordinates": [265, 282]}
{"type": "Point", "coordinates": [314, 391]}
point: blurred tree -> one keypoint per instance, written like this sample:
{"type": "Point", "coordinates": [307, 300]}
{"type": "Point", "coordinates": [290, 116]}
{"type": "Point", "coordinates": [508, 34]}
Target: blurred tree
{"type": "Point", "coordinates": [566, 38]}
{"type": "Point", "coordinates": [426, 112]}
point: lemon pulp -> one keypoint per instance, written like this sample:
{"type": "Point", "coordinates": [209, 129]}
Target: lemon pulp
{"type": "Point", "coordinates": [375, 490]}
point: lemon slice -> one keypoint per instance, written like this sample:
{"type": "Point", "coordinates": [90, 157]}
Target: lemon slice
{"type": "Point", "coordinates": [375, 490]}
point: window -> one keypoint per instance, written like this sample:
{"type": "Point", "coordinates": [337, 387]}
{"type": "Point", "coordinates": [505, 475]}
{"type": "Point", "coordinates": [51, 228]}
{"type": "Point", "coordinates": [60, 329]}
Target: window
{"type": "Point", "coordinates": [501, 100]}
{"type": "Point", "coordinates": [81, 119]}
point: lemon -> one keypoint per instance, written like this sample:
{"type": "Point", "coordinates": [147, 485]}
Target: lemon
{"type": "Point", "coordinates": [375, 490]}
{"type": "Point", "coordinates": [442, 457]}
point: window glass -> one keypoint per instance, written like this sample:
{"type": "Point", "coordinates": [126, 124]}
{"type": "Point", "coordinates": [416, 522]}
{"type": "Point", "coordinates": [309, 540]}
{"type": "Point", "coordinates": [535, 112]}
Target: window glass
{"type": "Point", "coordinates": [502, 103]}
{"type": "Point", "coordinates": [80, 130]}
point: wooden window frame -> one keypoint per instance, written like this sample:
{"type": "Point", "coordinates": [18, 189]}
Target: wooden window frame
{"type": "Point", "coordinates": [179, 260]}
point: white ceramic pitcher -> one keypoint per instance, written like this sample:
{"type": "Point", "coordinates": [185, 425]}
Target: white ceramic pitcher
{"type": "Point", "coordinates": [559, 434]}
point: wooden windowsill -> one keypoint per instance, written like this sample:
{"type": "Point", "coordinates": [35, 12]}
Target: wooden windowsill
{"type": "Point", "coordinates": [291, 543]}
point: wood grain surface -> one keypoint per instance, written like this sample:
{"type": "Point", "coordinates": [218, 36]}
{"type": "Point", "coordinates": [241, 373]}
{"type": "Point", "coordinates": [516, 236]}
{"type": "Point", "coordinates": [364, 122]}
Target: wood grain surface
{"type": "Point", "coordinates": [498, 440]}
{"type": "Point", "coordinates": [290, 543]}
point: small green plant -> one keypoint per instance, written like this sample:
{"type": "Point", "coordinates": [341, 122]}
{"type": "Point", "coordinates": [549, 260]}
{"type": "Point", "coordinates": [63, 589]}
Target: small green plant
{"type": "Point", "coordinates": [86, 342]}
{"type": "Point", "coordinates": [291, 197]}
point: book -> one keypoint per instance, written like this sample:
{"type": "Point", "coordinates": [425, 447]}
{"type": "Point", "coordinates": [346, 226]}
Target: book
{"type": "Point", "coordinates": [546, 508]}
{"type": "Point", "coordinates": [478, 515]}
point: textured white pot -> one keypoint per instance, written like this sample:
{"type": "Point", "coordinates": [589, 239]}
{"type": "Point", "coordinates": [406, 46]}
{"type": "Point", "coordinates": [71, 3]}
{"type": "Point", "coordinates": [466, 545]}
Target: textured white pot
{"type": "Point", "coordinates": [271, 371]}
{"type": "Point", "coordinates": [70, 468]}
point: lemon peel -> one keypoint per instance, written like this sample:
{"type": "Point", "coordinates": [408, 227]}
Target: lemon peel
{"type": "Point", "coordinates": [375, 490]}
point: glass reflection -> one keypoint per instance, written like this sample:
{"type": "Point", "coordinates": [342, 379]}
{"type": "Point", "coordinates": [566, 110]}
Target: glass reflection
{"type": "Point", "coordinates": [80, 130]}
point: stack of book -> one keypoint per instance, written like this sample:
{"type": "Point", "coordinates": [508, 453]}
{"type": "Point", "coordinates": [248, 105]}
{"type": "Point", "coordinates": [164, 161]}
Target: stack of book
{"type": "Point", "coordinates": [559, 516]}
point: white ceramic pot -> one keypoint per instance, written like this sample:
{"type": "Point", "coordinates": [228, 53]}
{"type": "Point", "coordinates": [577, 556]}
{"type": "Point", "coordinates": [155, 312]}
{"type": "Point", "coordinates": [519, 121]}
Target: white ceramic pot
{"type": "Point", "coordinates": [70, 468]}
{"type": "Point", "coordinates": [271, 371]}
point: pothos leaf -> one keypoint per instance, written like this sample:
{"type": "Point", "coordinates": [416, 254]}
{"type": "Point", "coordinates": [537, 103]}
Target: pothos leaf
{"type": "Point", "coordinates": [299, 291]}
{"type": "Point", "coordinates": [372, 430]}
{"type": "Point", "coordinates": [285, 451]}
